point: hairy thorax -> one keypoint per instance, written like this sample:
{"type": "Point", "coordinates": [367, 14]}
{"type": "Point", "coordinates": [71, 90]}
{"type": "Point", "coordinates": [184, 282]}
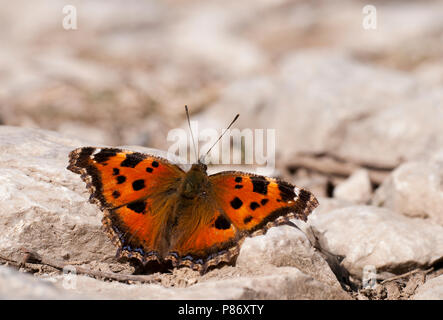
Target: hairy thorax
{"type": "Point", "coordinates": [195, 184]}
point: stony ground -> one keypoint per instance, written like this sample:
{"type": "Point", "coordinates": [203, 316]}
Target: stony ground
{"type": "Point", "coordinates": [357, 115]}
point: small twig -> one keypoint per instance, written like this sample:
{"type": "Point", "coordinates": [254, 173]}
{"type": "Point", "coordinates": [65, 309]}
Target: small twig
{"type": "Point", "coordinates": [407, 274]}
{"type": "Point", "coordinates": [15, 263]}
{"type": "Point", "coordinates": [33, 257]}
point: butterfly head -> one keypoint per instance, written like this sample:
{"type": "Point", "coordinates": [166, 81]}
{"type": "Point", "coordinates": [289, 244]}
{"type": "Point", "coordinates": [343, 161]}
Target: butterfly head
{"type": "Point", "coordinates": [200, 166]}
{"type": "Point", "coordinates": [195, 182]}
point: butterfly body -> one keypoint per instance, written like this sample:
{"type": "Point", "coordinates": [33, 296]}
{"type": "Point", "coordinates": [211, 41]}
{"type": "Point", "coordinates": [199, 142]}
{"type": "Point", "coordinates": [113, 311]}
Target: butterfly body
{"type": "Point", "coordinates": [195, 182]}
{"type": "Point", "coordinates": [153, 210]}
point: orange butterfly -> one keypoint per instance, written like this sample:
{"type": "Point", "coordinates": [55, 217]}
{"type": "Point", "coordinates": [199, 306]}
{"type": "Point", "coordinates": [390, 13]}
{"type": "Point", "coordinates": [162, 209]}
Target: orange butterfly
{"type": "Point", "coordinates": [153, 210]}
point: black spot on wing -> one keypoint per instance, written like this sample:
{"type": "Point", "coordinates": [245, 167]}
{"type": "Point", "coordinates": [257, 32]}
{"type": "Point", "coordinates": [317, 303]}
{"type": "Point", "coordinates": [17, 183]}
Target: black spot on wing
{"type": "Point", "coordinates": [116, 171]}
{"type": "Point", "coordinates": [138, 184]}
{"type": "Point", "coordinates": [236, 203]}
{"type": "Point", "coordinates": [79, 160]}
{"type": "Point", "coordinates": [238, 186]}
{"type": "Point", "coordinates": [132, 159]}
{"type": "Point", "coordinates": [247, 219]}
{"type": "Point", "coordinates": [105, 154]}
{"type": "Point", "coordinates": [286, 191]}
{"type": "Point", "coordinates": [304, 195]}
{"type": "Point", "coordinates": [260, 185]}
{"type": "Point", "coordinates": [254, 205]}
{"type": "Point", "coordinates": [86, 152]}
{"type": "Point", "coordinates": [264, 201]}
{"type": "Point", "coordinates": [222, 223]}
{"type": "Point", "coordinates": [149, 169]}
{"type": "Point", "coordinates": [155, 164]}
{"type": "Point", "coordinates": [121, 179]}
{"type": "Point", "coordinates": [238, 179]}
{"type": "Point", "coordinates": [137, 206]}
{"type": "Point", "coordinates": [116, 194]}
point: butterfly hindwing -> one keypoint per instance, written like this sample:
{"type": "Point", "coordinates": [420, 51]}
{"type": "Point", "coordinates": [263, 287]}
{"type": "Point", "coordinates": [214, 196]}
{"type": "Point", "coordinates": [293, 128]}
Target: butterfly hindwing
{"type": "Point", "coordinates": [133, 232]}
{"type": "Point", "coordinates": [138, 228]}
{"type": "Point", "coordinates": [203, 236]}
{"type": "Point", "coordinates": [254, 202]}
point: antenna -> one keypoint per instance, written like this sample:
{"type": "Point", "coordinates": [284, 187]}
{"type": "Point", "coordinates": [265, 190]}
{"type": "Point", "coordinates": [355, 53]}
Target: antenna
{"type": "Point", "coordinates": [190, 129]}
{"type": "Point", "coordinates": [232, 122]}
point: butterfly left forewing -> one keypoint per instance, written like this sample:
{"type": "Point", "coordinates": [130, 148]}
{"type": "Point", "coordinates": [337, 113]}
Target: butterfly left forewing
{"type": "Point", "coordinates": [116, 177]}
{"type": "Point", "coordinates": [255, 203]}
{"type": "Point", "coordinates": [136, 191]}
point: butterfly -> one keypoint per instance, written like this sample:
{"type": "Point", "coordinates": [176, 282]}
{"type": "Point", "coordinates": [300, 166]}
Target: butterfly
{"type": "Point", "coordinates": [155, 211]}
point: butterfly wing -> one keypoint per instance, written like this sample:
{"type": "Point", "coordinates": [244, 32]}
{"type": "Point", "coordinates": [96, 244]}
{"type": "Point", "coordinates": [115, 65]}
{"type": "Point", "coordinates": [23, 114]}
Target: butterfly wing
{"type": "Point", "coordinates": [202, 236]}
{"type": "Point", "coordinates": [136, 192]}
{"type": "Point", "coordinates": [255, 203]}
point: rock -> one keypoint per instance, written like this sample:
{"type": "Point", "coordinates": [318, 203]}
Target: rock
{"type": "Point", "coordinates": [366, 141]}
{"type": "Point", "coordinates": [356, 106]}
{"type": "Point", "coordinates": [282, 283]}
{"type": "Point", "coordinates": [357, 188]}
{"type": "Point", "coordinates": [17, 285]}
{"type": "Point", "coordinates": [95, 136]}
{"type": "Point", "coordinates": [327, 205]}
{"type": "Point", "coordinates": [392, 291]}
{"type": "Point", "coordinates": [327, 91]}
{"type": "Point", "coordinates": [316, 183]}
{"type": "Point", "coordinates": [286, 246]}
{"type": "Point", "coordinates": [44, 206]}
{"type": "Point", "coordinates": [414, 189]}
{"type": "Point", "coordinates": [312, 78]}
{"type": "Point", "coordinates": [431, 290]}
{"type": "Point", "coordinates": [371, 236]}
{"type": "Point", "coordinates": [276, 283]}
{"type": "Point", "coordinates": [415, 281]}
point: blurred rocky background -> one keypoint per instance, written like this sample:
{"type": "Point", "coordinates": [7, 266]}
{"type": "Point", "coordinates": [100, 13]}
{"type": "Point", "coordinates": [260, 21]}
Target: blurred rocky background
{"type": "Point", "coordinates": [358, 116]}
